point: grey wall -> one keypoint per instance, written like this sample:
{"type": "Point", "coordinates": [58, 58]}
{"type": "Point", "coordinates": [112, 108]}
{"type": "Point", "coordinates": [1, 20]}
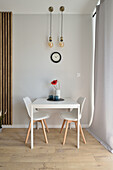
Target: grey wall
{"type": "Point", "coordinates": [33, 70]}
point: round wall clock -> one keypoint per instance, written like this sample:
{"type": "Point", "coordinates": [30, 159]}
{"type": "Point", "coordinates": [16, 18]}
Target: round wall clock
{"type": "Point", "coordinates": [56, 57]}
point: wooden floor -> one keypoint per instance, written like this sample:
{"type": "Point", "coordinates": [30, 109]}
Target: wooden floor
{"type": "Point", "coordinates": [14, 155]}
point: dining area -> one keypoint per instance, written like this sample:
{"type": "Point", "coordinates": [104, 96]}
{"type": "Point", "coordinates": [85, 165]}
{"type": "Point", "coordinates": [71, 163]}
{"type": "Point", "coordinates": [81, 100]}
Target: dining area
{"type": "Point", "coordinates": [73, 114]}
{"type": "Point", "coordinates": [56, 67]}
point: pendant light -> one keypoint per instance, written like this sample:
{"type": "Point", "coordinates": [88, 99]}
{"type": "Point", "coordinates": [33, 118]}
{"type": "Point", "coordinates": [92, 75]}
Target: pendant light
{"type": "Point", "coordinates": [61, 43]}
{"type": "Point", "coordinates": [50, 43]}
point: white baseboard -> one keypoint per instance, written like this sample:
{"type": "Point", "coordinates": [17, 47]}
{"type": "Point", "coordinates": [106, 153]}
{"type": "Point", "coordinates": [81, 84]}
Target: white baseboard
{"type": "Point", "coordinates": [49, 126]}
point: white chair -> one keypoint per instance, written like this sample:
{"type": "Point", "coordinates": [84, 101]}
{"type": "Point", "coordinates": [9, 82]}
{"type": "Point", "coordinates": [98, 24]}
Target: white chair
{"type": "Point", "coordinates": [38, 116]}
{"type": "Point", "coordinates": [73, 117]}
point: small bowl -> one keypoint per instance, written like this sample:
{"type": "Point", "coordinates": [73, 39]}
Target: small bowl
{"type": "Point", "coordinates": [56, 98]}
{"type": "Point", "coordinates": [51, 97]}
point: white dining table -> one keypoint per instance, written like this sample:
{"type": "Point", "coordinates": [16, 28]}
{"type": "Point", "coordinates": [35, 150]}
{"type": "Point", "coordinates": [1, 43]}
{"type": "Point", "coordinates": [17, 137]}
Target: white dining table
{"type": "Point", "coordinates": [43, 103]}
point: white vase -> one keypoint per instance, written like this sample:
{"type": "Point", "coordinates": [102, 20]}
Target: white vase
{"type": "Point", "coordinates": [57, 93]}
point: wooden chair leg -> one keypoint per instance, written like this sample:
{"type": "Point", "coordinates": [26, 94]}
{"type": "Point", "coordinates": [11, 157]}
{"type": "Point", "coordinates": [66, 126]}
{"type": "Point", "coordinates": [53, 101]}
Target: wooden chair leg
{"type": "Point", "coordinates": [76, 126]}
{"type": "Point", "coordinates": [65, 132]}
{"type": "Point", "coordinates": [36, 124]}
{"type": "Point", "coordinates": [82, 134]}
{"type": "Point", "coordinates": [44, 131]}
{"type": "Point", "coordinates": [29, 129]}
{"type": "Point", "coordinates": [46, 125]}
{"type": "Point", "coordinates": [28, 133]}
{"type": "Point", "coordinates": [62, 126]}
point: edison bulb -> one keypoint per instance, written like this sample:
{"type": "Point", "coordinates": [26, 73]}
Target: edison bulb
{"type": "Point", "coordinates": [50, 43]}
{"type": "Point", "coordinates": [61, 44]}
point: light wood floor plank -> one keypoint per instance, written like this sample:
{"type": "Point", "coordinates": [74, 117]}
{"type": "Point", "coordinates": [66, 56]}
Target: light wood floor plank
{"type": "Point", "coordinates": [15, 155]}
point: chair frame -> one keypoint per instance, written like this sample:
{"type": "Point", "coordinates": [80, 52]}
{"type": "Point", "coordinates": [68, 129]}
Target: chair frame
{"type": "Point", "coordinates": [76, 122]}
{"type": "Point", "coordinates": [42, 123]}
{"type": "Point", "coordinates": [65, 135]}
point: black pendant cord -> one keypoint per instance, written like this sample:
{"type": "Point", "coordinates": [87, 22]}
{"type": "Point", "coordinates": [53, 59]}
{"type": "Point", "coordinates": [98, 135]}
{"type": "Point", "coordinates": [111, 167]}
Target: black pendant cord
{"type": "Point", "coordinates": [61, 24]}
{"type": "Point", "coordinates": [50, 24]}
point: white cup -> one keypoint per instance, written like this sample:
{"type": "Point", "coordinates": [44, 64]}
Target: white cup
{"type": "Point", "coordinates": [57, 93]}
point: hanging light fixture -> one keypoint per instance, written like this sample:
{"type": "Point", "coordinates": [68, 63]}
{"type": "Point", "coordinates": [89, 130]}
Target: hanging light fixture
{"type": "Point", "coordinates": [61, 43]}
{"type": "Point", "coordinates": [50, 43]}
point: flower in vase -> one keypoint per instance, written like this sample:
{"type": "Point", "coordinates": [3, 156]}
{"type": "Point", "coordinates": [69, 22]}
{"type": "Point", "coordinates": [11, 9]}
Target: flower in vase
{"type": "Point", "coordinates": [56, 84]}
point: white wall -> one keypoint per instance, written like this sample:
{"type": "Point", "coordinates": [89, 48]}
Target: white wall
{"type": "Point", "coordinates": [33, 70]}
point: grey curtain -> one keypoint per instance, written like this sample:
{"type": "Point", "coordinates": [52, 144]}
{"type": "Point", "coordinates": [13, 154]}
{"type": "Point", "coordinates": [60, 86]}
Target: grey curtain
{"type": "Point", "coordinates": [102, 126]}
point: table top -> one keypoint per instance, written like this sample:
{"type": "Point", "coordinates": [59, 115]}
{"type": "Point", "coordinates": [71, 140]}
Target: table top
{"type": "Point", "coordinates": [44, 103]}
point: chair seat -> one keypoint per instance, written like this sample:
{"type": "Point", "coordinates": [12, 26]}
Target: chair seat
{"type": "Point", "coordinates": [40, 115]}
{"type": "Point", "coordinates": [72, 116]}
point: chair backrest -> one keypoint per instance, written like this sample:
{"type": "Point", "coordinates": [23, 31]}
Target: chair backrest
{"type": "Point", "coordinates": [28, 102]}
{"type": "Point", "coordinates": [81, 101]}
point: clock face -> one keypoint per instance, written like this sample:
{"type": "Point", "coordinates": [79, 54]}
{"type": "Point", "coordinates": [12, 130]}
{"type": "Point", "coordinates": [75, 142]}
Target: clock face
{"type": "Point", "coordinates": [56, 57]}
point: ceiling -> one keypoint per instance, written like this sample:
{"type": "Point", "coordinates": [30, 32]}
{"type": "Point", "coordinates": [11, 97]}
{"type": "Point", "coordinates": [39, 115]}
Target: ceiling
{"type": "Point", "coordinates": [41, 6]}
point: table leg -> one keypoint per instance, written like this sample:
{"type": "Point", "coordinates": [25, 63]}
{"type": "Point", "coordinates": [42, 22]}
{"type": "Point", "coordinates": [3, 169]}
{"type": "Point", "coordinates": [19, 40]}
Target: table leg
{"type": "Point", "coordinates": [78, 131]}
{"type": "Point", "coordinates": [31, 127]}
